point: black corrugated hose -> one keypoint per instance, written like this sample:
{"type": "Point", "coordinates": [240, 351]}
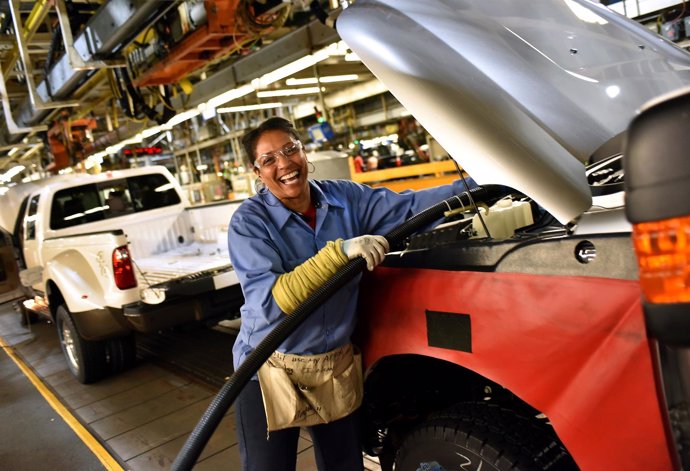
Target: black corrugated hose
{"type": "Point", "coordinates": [208, 423]}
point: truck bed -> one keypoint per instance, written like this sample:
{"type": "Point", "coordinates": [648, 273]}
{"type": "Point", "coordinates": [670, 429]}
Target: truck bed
{"type": "Point", "coordinates": [185, 262]}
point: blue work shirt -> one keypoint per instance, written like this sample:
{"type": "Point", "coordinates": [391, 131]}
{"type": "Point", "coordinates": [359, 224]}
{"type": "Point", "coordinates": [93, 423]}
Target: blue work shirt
{"type": "Point", "coordinates": [266, 239]}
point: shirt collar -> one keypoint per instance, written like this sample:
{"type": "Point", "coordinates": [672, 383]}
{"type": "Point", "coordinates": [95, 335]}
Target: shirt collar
{"type": "Point", "coordinates": [279, 214]}
{"type": "Point", "coordinates": [323, 198]}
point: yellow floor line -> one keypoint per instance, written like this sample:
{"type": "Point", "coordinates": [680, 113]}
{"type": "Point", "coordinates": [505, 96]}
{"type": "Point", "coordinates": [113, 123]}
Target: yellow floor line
{"type": "Point", "coordinates": [94, 445]}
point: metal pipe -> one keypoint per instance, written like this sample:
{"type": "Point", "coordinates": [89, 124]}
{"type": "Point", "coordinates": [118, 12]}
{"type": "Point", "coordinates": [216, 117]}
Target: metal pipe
{"type": "Point", "coordinates": [12, 126]}
{"type": "Point", "coordinates": [36, 101]}
{"type": "Point", "coordinates": [38, 13]}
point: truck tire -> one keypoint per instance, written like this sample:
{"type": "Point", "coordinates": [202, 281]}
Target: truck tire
{"type": "Point", "coordinates": [122, 353]}
{"type": "Point", "coordinates": [86, 359]}
{"type": "Point", "coordinates": [484, 437]}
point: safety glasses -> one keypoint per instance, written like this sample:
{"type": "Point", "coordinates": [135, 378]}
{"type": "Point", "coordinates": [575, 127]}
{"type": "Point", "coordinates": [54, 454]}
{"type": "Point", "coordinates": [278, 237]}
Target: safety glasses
{"type": "Point", "coordinates": [269, 159]}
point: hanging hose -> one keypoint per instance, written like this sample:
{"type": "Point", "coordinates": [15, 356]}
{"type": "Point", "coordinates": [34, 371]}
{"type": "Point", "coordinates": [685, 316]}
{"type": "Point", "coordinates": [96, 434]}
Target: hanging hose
{"type": "Point", "coordinates": [196, 442]}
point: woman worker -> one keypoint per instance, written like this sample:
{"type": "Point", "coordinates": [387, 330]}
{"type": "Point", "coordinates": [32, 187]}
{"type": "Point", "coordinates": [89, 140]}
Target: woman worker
{"type": "Point", "coordinates": [285, 242]}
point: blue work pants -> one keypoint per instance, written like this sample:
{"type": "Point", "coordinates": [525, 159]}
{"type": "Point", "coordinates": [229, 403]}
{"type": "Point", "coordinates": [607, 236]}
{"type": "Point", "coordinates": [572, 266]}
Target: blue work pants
{"type": "Point", "coordinates": [336, 445]}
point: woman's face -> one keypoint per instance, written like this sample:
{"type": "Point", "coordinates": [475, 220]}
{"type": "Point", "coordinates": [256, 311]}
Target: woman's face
{"type": "Point", "coordinates": [286, 176]}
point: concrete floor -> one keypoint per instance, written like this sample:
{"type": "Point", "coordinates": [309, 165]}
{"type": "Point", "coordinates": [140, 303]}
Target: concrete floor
{"type": "Point", "coordinates": [141, 417]}
{"type": "Point", "coordinates": [31, 432]}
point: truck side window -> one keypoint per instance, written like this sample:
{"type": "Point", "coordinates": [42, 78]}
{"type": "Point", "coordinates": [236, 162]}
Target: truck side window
{"type": "Point", "coordinates": [152, 191]}
{"type": "Point", "coordinates": [30, 220]}
{"type": "Point", "coordinates": [111, 199]}
{"type": "Point", "coordinates": [74, 206]}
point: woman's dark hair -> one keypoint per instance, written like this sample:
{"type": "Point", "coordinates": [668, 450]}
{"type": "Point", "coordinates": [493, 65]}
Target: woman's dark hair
{"type": "Point", "coordinates": [250, 139]}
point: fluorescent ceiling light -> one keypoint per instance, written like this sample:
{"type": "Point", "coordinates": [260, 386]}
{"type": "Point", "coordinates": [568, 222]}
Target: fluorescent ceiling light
{"type": "Point", "coordinates": [132, 140]}
{"type": "Point", "coordinates": [288, 92]}
{"type": "Point", "coordinates": [230, 95]}
{"type": "Point", "coordinates": [151, 131]}
{"type": "Point", "coordinates": [208, 113]}
{"type": "Point", "coordinates": [237, 109]}
{"type": "Point", "coordinates": [352, 57]}
{"type": "Point", "coordinates": [292, 82]}
{"type": "Point", "coordinates": [338, 78]}
{"type": "Point", "coordinates": [12, 151]}
{"type": "Point", "coordinates": [7, 176]}
{"type": "Point", "coordinates": [327, 79]}
{"type": "Point", "coordinates": [184, 116]}
{"type": "Point", "coordinates": [291, 68]}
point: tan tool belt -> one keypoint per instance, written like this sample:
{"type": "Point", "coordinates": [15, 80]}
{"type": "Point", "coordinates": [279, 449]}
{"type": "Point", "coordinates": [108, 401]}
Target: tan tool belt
{"type": "Point", "coordinates": [304, 390]}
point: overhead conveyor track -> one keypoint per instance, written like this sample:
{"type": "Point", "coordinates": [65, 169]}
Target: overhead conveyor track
{"type": "Point", "coordinates": [113, 26]}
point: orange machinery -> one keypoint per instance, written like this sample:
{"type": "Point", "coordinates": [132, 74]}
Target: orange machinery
{"type": "Point", "coordinates": [226, 30]}
{"type": "Point", "coordinates": [67, 139]}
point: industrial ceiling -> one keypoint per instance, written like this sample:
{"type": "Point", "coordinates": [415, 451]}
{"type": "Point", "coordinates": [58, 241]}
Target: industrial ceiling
{"type": "Point", "coordinates": [79, 77]}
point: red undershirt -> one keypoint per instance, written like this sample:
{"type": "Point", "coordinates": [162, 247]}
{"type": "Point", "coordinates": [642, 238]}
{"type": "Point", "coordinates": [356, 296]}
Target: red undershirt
{"type": "Point", "coordinates": [309, 216]}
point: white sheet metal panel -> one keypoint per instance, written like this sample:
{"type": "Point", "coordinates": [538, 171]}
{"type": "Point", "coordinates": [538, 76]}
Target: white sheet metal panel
{"type": "Point", "coordinates": [519, 93]}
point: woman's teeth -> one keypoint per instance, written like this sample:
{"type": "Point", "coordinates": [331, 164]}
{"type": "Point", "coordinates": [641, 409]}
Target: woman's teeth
{"type": "Point", "coordinates": [290, 176]}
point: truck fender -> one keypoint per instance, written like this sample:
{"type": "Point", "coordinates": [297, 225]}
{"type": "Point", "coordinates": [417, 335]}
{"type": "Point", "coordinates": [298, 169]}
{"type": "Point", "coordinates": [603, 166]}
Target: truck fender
{"type": "Point", "coordinates": [80, 285]}
{"type": "Point", "coordinates": [572, 347]}
{"type": "Point", "coordinates": [66, 282]}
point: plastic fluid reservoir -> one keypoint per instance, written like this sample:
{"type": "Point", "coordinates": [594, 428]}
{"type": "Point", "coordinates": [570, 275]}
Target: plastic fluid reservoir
{"type": "Point", "coordinates": [503, 218]}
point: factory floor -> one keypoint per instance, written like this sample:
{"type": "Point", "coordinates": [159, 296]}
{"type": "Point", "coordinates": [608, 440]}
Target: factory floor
{"type": "Point", "coordinates": [137, 420]}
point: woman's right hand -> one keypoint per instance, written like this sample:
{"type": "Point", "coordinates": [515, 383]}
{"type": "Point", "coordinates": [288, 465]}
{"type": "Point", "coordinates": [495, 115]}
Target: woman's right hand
{"type": "Point", "coordinates": [372, 247]}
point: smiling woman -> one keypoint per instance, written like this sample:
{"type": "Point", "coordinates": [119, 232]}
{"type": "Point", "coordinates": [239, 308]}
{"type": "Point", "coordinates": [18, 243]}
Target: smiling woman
{"type": "Point", "coordinates": [287, 240]}
{"type": "Point", "coordinates": [286, 177]}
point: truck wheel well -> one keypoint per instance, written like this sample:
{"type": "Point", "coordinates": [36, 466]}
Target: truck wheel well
{"type": "Point", "coordinates": [55, 298]}
{"type": "Point", "coordinates": [401, 391]}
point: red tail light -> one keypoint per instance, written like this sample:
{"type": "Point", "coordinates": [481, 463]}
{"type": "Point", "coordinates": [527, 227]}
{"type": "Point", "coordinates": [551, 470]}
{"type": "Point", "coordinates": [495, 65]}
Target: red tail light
{"type": "Point", "coordinates": [663, 250]}
{"type": "Point", "coordinates": [123, 269]}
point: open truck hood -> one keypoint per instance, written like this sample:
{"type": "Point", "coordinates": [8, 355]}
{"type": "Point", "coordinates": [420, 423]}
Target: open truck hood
{"type": "Point", "coordinates": [519, 93]}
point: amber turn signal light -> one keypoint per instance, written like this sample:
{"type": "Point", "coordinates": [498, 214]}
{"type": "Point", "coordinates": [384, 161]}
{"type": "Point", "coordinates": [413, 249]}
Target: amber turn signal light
{"type": "Point", "coordinates": [663, 251]}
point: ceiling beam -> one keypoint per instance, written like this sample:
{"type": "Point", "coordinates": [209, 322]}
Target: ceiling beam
{"type": "Point", "coordinates": [38, 13]}
{"type": "Point", "coordinates": [39, 40]}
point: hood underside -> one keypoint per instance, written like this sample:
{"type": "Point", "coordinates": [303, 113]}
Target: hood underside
{"type": "Point", "coordinates": [519, 93]}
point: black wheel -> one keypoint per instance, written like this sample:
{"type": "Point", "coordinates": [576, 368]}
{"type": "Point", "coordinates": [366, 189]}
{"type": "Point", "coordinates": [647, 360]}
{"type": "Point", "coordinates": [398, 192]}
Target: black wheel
{"type": "Point", "coordinates": [122, 353]}
{"type": "Point", "coordinates": [86, 359]}
{"type": "Point", "coordinates": [482, 437]}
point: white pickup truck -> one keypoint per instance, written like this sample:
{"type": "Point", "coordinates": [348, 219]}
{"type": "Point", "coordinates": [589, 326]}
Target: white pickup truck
{"type": "Point", "coordinates": [106, 255]}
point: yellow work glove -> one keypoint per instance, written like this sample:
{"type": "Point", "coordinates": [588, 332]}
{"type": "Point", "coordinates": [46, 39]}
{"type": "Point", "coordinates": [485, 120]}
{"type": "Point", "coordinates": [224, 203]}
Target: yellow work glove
{"type": "Point", "coordinates": [292, 288]}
